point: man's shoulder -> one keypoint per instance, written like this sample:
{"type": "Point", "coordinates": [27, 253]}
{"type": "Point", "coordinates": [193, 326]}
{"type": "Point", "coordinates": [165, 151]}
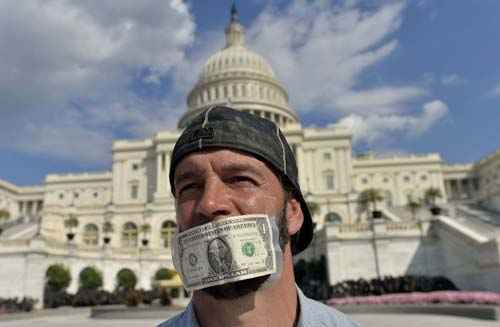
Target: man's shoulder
{"type": "Point", "coordinates": [319, 314]}
{"type": "Point", "coordinates": [179, 320]}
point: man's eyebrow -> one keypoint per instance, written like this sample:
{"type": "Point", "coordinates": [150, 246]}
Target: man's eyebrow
{"type": "Point", "coordinates": [185, 175]}
{"type": "Point", "coordinates": [241, 167]}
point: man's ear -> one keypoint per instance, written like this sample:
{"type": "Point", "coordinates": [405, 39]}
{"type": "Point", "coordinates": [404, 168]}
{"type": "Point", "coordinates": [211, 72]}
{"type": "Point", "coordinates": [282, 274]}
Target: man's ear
{"type": "Point", "coordinates": [295, 216]}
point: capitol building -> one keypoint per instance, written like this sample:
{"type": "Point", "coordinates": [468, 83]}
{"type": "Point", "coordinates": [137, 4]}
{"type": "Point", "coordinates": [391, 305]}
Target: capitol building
{"type": "Point", "coordinates": [125, 217]}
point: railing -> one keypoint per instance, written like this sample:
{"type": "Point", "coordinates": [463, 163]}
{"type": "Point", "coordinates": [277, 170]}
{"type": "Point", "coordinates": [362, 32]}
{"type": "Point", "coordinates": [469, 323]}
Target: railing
{"type": "Point", "coordinates": [59, 247]}
{"type": "Point", "coordinates": [365, 229]}
{"type": "Point", "coordinates": [18, 221]}
{"type": "Point", "coordinates": [354, 228]}
{"type": "Point", "coordinates": [392, 226]}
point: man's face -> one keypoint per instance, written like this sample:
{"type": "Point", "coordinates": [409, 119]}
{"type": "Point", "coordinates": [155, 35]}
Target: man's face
{"type": "Point", "coordinates": [214, 184]}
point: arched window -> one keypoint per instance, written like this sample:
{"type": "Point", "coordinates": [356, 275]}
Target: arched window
{"type": "Point", "coordinates": [168, 229]}
{"type": "Point", "coordinates": [333, 218]}
{"type": "Point", "coordinates": [90, 234]}
{"type": "Point", "coordinates": [129, 235]}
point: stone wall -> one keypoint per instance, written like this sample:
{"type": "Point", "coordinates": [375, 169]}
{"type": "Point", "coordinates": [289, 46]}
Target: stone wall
{"type": "Point", "coordinates": [24, 264]}
{"type": "Point", "coordinates": [436, 247]}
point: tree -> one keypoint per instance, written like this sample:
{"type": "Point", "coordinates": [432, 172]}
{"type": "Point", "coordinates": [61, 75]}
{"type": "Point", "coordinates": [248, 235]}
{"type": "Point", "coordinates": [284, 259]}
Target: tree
{"type": "Point", "coordinates": [90, 279]}
{"type": "Point", "coordinates": [107, 228]}
{"type": "Point", "coordinates": [126, 279]}
{"type": "Point", "coordinates": [370, 197]}
{"type": "Point", "coordinates": [71, 222]}
{"type": "Point", "coordinates": [57, 277]}
{"type": "Point", "coordinates": [165, 274]}
{"type": "Point", "coordinates": [413, 206]}
{"type": "Point", "coordinates": [145, 228]}
{"type": "Point", "coordinates": [431, 195]}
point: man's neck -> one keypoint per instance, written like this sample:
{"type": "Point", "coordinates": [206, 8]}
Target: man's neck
{"type": "Point", "coordinates": [272, 306]}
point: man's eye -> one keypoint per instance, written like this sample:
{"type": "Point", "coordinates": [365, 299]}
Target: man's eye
{"type": "Point", "coordinates": [187, 187]}
{"type": "Point", "coordinates": [242, 179]}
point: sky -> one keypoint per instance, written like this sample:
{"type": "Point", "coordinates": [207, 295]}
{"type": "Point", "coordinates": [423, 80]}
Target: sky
{"type": "Point", "coordinates": [407, 77]}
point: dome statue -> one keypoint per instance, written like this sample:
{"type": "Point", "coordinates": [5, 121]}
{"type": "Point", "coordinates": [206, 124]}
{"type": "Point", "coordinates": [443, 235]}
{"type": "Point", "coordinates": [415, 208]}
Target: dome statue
{"type": "Point", "coordinates": [242, 78]}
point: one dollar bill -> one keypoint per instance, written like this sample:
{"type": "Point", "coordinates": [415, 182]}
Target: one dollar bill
{"type": "Point", "coordinates": [224, 251]}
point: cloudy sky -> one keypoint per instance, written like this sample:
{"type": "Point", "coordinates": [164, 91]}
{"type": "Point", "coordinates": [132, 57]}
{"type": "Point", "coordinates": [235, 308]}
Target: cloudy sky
{"type": "Point", "coordinates": [407, 76]}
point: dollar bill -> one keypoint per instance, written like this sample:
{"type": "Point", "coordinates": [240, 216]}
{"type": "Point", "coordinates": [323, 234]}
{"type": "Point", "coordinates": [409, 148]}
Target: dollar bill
{"type": "Point", "coordinates": [224, 251]}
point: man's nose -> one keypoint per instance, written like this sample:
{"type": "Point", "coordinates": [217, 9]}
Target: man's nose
{"type": "Point", "coordinates": [214, 201]}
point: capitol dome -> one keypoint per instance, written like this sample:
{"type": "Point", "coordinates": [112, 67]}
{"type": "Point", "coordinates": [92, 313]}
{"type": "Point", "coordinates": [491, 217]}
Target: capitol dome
{"type": "Point", "coordinates": [240, 78]}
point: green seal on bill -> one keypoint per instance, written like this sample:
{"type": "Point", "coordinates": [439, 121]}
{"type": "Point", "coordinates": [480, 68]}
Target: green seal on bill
{"type": "Point", "coordinates": [248, 249]}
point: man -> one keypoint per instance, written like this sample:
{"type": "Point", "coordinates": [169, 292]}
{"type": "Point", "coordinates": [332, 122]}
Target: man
{"type": "Point", "coordinates": [229, 163]}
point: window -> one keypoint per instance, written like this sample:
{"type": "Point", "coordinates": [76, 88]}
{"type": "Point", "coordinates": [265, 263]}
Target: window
{"type": "Point", "coordinates": [129, 235]}
{"type": "Point", "coordinates": [168, 229]}
{"type": "Point", "coordinates": [364, 180]}
{"type": "Point", "coordinates": [333, 218]}
{"type": "Point", "coordinates": [96, 195]}
{"type": "Point", "coordinates": [423, 178]}
{"type": "Point", "coordinates": [163, 160]}
{"type": "Point", "coordinates": [135, 166]}
{"type": "Point", "coordinates": [330, 181]}
{"type": "Point", "coordinates": [76, 195]}
{"type": "Point", "coordinates": [90, 234]}
{"type": "Point", "coordinates": [61, 196]}
{"type": "Point", "coordinates": [134, 191]}
{"type": "Point", "coordinates": [386, 180]}
{"type": "Point", "coordinates": [327, 156]}
{"type": "Point", "coordinates": [407, 179]}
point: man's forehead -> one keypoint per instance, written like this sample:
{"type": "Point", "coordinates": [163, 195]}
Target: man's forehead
{"type": "Point", "coordinates": [222, 158]}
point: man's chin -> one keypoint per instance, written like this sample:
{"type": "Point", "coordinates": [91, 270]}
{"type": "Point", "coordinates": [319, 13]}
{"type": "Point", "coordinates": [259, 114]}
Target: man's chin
{"type": "Point", "coordinates": [236, 290]}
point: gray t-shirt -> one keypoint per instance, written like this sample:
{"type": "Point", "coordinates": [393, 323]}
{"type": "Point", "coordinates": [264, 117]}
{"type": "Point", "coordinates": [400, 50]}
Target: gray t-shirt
{"type": "Point", "coordinates": [312, 314]}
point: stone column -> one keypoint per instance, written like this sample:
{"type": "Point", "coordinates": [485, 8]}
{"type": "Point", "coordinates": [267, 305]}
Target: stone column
{"type": "Point", "coordinates": [447, 188]}
{"type": "Point", "coordinates": [301, 167]}
{"type": "Point", "coordinates": [398, 192]}
{"type": "Point", "coordinates": [460, 189]}
{"type": "Point", "coordinates": [338, 176]}
{"type": "Point", "coordinates": [163, 167]}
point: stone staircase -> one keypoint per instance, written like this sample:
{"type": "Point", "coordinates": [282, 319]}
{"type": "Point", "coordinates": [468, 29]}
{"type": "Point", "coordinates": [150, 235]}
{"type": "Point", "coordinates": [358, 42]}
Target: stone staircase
{"type": "Point", "coordinates": [22, 227]}
{"type": "Point", "coordinates": [482, 221]}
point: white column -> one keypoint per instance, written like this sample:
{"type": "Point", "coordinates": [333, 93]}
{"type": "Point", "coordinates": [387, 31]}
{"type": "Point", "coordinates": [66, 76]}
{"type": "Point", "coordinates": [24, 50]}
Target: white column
{"type": "Point", "coordinates": [117, 181]}
{"type": "Point", "coordinates": [163, 167]}
{"type": "Point", "coordinates": [301, 167]}
{"type": "Point", "coordinates": [460, 188]}
{"type": "Point", "coordinates": [397, 191]}
{"type": "Point", "coordinates": [338, 170]}
{"type": "Point", "coordinates": [312, 175]}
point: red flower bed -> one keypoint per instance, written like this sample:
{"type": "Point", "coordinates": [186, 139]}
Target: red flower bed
{"type": "Point", "coordinates": [422, 298]}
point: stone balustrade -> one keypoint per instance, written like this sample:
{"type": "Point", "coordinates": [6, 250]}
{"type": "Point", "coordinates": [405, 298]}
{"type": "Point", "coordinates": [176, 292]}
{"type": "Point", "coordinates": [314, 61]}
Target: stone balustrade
{"type": "Point", "coordinates": [377, 229]}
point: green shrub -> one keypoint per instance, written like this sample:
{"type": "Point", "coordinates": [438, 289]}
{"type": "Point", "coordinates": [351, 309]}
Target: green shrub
{"type": "Point", "coordinates": [90, 278]}
{"type": "Point", "coordinates": [126, 279]}
{"type": "Point", "coordinates": [12, 305]}
{"type": "Point", "coordinates": [164, 297]}
{"type": "Point", "coordinates": [164, 274]}
{"type": "Point", "coordinates": [134, 298]}
{"type": "Point", "coordinates": [57, 277]}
